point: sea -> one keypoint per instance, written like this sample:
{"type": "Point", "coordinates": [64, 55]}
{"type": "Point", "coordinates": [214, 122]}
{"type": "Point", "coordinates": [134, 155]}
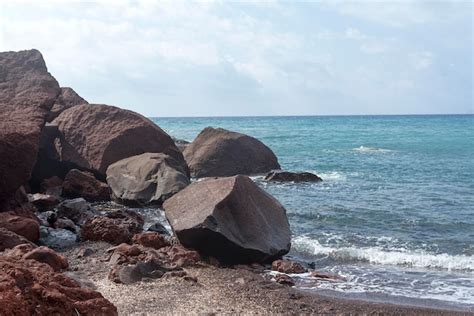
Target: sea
{"type": "Point", "coordinates": [394, 214]}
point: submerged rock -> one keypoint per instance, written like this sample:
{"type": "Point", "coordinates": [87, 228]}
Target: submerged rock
{"type": "Point", "coordinates": [286, 176]}
{"type": "Point", "coordinates": [288, 266]}
{"type": "Point", "coordinates": [148, 178]}
{"type": "Point", "coordinates": [95, 136]}
{"type": "Point", "coordinates": [83, 184]}
{"type": "Point", "coordinates": [217, 152]}
{"type": "Point", "coordinates": [231, 219]}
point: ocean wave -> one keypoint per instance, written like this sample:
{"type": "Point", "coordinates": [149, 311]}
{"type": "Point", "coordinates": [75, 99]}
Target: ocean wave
{"type": "Point", "coordinates": [419, 259]}
{"type": "Point", "coordinates": [364, 149]}
{"type": "Point", "coordinates": [332, 176]}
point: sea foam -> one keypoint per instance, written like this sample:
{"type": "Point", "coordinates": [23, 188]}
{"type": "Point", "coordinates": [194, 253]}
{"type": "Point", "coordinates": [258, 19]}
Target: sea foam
{"type": "Point", "coordinates": [375, 255]}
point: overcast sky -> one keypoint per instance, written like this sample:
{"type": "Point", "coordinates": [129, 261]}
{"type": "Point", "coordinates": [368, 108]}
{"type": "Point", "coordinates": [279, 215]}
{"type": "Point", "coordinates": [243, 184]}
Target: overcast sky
{"type": "Point", "coordinates": [263, 58]}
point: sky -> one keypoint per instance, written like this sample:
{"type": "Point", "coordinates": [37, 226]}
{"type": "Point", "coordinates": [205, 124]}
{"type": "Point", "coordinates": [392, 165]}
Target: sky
{"type": "Point", "coordinates": [223, 58]}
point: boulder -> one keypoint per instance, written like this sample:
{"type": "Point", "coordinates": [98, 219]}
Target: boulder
{"type": "Point", "coordinates": [286, 176]}
{"type": "Point", "coordinates": [83, 184]}
{"type": "Point", "coordinates": [27, 92]}
{"type": "Point", "coordinates": [66, 99]}
{"type": "Point", "coordinates": [231, 219]}
{"type": "Point", "coordinates": [57, 238]}
{"type": "Point", "coordinates": [29, 287]}
{"type": "Point", "coordinates": [77, 210]}
{"type": "Point", "coordinates": [50, 257]}
{"type": "Point", "coordinates": [9, 239]}
{"type": "Point", "coordinates": [23, 226]}
{"type": "Point", "coordinates": [217, 152]}
{"type": "Point", "coordinates": [158, 228]}
{"type": "Point", "coordinates": [95, 136]}
{"type": "Point", "coordinates": [288, 266]}
{"type": "Point", "coordinates": [149, 178]}
{"type": "Point", "coordinates": [114, 227]}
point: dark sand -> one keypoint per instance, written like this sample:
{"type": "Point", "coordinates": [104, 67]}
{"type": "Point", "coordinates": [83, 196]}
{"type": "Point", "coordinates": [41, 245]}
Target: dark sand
{"type": "Point", "coordinates": [217, 290]}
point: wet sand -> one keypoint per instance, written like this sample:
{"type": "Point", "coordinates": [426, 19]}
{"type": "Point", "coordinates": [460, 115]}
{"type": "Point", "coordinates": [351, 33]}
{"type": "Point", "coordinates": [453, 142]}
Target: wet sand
{"type": "Point", "coordinates": [216, 291]}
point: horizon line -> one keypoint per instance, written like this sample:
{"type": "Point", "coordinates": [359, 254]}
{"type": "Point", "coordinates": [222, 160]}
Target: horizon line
{"type": "Point", "coordinates": [312, 115]}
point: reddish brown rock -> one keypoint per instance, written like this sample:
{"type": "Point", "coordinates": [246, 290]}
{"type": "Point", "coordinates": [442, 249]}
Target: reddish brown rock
{"type": "Point", "coordinates": [50, 257]}
{"type": "Point", "coordinates": [288, 266]}
{"type": "Point", "coordinates": [27, 92]}
{"type": "Point", "coordinates": [9, 239]}
{"type": "Point", "coordinates": [178, 256]}
{"type": "Point", "coordinates": [28, 287]}
{"type": "Point", "coordinates": [66, 99]}
{"type": "Point", "coordinates": [95, 136]}
{"type": "Point", "coordinates": [151, 239]}
{"type": "Point", "coordinates": [52, 186]}
{"type": "Point", "coordinates": [23, 226]}
{"type": "Point", "coordinates": [83, 184]}
{"type": "Point", "coordinates": [231, 219]}
{"type": "Point", "coordinates": [114, 227]}
{"type": "Point", "coordinates": [284, 279]}
{"type": "Point", "coordinates": [217, 152]}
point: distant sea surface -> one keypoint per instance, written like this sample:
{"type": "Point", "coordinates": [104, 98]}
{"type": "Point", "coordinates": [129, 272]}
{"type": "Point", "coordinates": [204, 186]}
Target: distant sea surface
{"type": "Point", "coordinates": [395, 212]}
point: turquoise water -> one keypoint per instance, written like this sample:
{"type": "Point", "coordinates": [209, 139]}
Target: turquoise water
{"type": "Point", "coordinates": [395, 212]}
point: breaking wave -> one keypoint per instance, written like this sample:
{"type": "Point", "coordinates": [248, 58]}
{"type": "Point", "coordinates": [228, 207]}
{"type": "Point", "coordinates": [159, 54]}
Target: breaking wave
{"type": "Point", "coordinates": [419, 259]}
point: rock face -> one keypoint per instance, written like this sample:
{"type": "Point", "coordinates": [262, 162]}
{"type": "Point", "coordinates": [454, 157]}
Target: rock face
{"type": "Point", "coordinates": [23, 226]}
{"type": "Point", "coordinates": [148, 178]}
{"type": "Point", "coordinates": [66, 99]}
{"type": "Point", "coordinates": [285, 176]}
{"type": "Point", "coordinates": [217, 152]}
{"type": "Point", "coordinates": [95, 136]}
{"type": "Point", "coordinates": [29, 287]}
{"type": "Point", "coordinates": [83, 184]}
{"type": "Point", "coordinates": [231, 219]}
{"type": "Point", "coordinates": [27, 92]}
{"type": "Point", "coordinates": [115, 227]}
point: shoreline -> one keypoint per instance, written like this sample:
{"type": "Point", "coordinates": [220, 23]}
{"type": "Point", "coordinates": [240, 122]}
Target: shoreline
{"type": "Point", "coordinates": [221, 290]}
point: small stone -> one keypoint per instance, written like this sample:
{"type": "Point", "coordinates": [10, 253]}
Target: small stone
{"type": "Point", "coordinates": [284, 279]}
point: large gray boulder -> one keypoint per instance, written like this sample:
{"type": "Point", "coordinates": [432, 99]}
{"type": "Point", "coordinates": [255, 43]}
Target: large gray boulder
{"type": "Point", "coordinates": [94, 136]}
{"type": "Point", "coordinates": [217, 152]}
{"type": "Point", "coordinates": [148, 178]}
{"type": "Point", "coordinates": [231, 219]}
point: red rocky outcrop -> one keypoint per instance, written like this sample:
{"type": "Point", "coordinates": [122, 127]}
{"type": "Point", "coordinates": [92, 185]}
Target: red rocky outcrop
{"type": "Point", "coordinates": [23, 226]}
{"type": "Point", "coordinates": [83, 184]}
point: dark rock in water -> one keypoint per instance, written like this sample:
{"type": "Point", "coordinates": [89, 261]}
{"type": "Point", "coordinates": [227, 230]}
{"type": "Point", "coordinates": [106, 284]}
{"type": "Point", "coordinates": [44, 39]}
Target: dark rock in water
{"type": "Point", "coordinates": [181, 143]}
{"type": "Point", "coordinates": [66, 99]}
{"type": "Point", "coordinates": [23, 226]}
{"type": "Point", "coordinates": [9, 239]}
{"type": "Point", "coordinates": [217, 152]}
{"type": "Point", "coordinates": [288, 266]}
{"type": "Point", "coordinates": [284, 279]}
{"type": "Point", "coordinates": [27, 92]}
{"type": "Point", "coordinates": [83, 184]}
{"type": "Point", "coordinates": [77, 210]}
{"type": "Point", "coordinates": [30, 287]}
{"type": "Point", "coordinates": [148, 178]}
{"type": "Point", "coordinates": [114, 227]}
{"type": "Point", "coordinates": [285, 176]}
{"type": "Point", "coordinates": [159, 228]}
{"type": "Point", "coordinates": [231, 219]}
{"type": "Point", "coordinates": [65, 223]}
{"type": "Point", "coordinates": [95, 136]}
{"type": "Point", "coordinates": [43, 201]}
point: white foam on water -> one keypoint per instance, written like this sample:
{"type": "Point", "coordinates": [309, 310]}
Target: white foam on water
{"type": "Point", "coordinates": [375, 255]}
{"type": "Point", "coordinates": [332, 176]}
{"type": "Point", "coordinates": [367, 149]}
